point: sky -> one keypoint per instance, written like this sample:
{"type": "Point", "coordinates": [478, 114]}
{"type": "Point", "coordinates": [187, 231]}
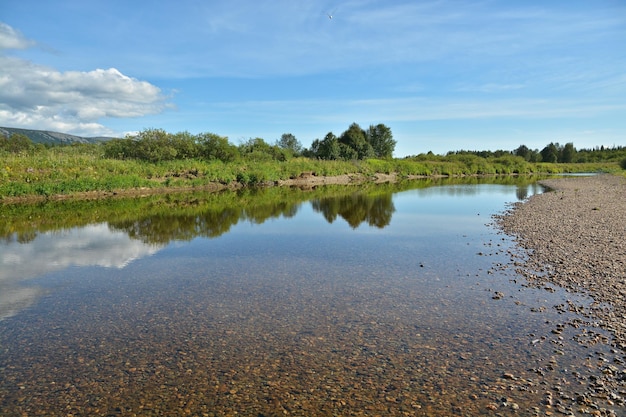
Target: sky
{"type": "Point", "coordinates": [442, 75]}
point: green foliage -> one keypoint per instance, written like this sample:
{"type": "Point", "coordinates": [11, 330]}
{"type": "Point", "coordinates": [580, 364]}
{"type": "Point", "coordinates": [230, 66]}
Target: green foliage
{"type": "Point", "coordinates": [156, 145]}
{"type": "Point", "coordinates": [354, 144]}
{"type": "Point", "coordinates": [381, 140]}
{"type": "Point", "coordinates": [118, 149]}
{"type": "Point", "coordinates": [327, 149]}
{"type": "Point", "coordinates": [529, 155]}
{"type": "Point", "coordinates": [289, 143]}
{"type": "Point", "coordinates": [554, 152]}
{"type": "Point", "coordinates": [567, 153]}
{"type": "Point", "coordinates": [257, 150]}
{"type": "Point", "coordinates": [155, 158]}
{"type": "Point", "coordinates": [622, 163]}
{"type": "Point", "coordinates": [16, 143]}
{"type": "Point", "coordinates": [601, 154]}
{"type": "Point", "coordinates": [215, 147]}
{"type": "Point", "coordinates": [550, 153]}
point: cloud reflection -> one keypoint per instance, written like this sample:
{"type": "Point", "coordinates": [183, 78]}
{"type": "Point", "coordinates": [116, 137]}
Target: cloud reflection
{"type": "Point", "coordinates": [94, 245]}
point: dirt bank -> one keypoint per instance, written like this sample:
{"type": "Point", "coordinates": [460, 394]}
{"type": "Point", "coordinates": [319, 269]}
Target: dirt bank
{"type": "Point", "coordinates": [303, 181]}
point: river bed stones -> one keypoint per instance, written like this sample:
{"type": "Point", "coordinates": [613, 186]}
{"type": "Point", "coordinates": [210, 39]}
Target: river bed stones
{"type": "Point", "coordinates": [574, 237]}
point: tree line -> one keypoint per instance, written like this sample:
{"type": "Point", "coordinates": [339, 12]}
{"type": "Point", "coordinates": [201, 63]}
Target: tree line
{"type": "Point", "coordinates": [157, 145]}
{"type": "Point", "coordinates": [557, 153]}
{"type": "Point", "coordinates": [355, 143]}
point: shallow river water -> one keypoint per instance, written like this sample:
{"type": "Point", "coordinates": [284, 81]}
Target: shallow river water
{"type": "Point", "coordinates": [378, 300]}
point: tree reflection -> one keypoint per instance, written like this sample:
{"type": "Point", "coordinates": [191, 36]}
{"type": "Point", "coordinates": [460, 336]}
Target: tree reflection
{"type": "Point", "coordinates": [521, 192]}
{"type": "Point", "coordinates": [165, 228]}
{"type": "Point", "coordinates": [357, 208]}
{"type": "Point", "coordinates": [159, 219]}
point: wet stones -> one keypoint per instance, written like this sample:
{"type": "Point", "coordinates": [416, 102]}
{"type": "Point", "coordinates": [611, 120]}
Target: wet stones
{"type": "Point", "coordinates": [574, 239]}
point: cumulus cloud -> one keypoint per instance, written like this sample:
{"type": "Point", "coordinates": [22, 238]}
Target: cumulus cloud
{"type": "Point", "coordinates": [39, 97]}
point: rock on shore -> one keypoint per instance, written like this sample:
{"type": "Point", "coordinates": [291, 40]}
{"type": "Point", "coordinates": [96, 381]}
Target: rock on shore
{"type": "Point", "coordinates": [575, 237]}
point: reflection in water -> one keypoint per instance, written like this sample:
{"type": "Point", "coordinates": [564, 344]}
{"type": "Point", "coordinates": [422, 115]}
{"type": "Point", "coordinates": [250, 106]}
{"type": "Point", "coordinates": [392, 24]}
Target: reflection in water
{"type": "Point", "coordinates": [162, 218]}
{"type": "Point", "coordinates": [354, 207]}
{"type": "Point", "coordinates": [139, 227]}
{"type": "Point", "coordinates": [95, 245]}
{"type": "Point", "coordinates": [163, 228]}
{"type": "Point", "coordinates": [301, 316]}
{"type": "Point", "coordinates": [357, 208]}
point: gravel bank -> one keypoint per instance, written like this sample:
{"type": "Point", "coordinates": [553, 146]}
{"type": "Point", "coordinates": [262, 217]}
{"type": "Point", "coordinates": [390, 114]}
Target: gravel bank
{"type": "Point", "coordinates": [575, 237]}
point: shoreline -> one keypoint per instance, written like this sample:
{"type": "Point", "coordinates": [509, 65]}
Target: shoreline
{"type": "Point", "coordinates": [574, 237]}
{"type": "Point", "coordinates": [304, 181]}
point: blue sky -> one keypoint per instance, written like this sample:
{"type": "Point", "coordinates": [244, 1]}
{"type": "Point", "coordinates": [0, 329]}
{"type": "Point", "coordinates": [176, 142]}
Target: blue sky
{"type": "Point", "coordinates": [443, 75]}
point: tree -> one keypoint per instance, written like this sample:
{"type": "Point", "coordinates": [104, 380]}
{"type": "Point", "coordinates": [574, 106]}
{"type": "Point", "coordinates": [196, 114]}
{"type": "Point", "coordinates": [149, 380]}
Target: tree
{"type": "Point", "coordinates": [550, 153]}
{"type": "Point", "coordinates": [523, 151]}
{"type": "Point", "coordinates": [186, 145]}
{"type": "Point", "coordinates": [327, 148]}
{"type": "Point", "coordinates": [566, 155]}
{"type": "Point", "coordinates": [534, 156]}
{"type": "Point", "coordinates": [355, 143]}
{"type": "Point", "coordinates": [289, 142]}
{"type": "Point", "coordinates": [213, 146]}
{"type": "Point", "coordinates": [16, 143]}
{"type": "Point", "coordinates": [119, 148]}
{"type": "Point", "coordinates": [259, 150]}
{"type": "Point", "coordinates": [154, 145]}
{"type": "Point", "coordinates": [381, 140]}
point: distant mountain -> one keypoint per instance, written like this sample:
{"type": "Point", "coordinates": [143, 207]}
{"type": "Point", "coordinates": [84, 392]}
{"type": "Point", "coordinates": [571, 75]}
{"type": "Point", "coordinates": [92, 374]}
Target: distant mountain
{"type": "Point", "coordinates": [52, 138]}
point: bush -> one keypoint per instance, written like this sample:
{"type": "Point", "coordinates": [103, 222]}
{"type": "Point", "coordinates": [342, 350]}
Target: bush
{"type": "Point", "coordinates": [623, 163]}
{"type": "Point", "coordinates": [16, 143]}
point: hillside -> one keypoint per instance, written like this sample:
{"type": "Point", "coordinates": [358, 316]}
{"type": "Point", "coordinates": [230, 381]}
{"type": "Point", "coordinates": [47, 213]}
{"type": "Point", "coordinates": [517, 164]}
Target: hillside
{"type": "Point", "coordinates": [48, 137]}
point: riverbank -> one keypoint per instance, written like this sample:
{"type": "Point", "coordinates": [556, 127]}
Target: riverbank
{"type": "Point", "coordinates": [305, 181]}
{"type": "Point", "coordinates": [575, 238]}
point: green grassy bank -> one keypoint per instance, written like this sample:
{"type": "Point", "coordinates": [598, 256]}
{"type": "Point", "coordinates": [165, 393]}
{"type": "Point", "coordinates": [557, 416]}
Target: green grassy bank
{"type": "Point", "coordinates": [69, 170]}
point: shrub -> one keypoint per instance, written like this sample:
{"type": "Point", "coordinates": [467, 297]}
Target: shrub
{"type": "Point", "coordinates": [16, 143]}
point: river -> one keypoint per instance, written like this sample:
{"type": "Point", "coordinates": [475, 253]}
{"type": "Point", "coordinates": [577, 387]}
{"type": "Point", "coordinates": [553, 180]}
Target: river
{"type": "Point", "coordinates": [354, 300]}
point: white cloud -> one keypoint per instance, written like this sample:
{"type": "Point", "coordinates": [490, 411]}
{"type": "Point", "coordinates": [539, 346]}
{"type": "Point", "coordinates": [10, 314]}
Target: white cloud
{"type": "Point", "coordinates": [38, 97]}
{"type": "Point", "coordinates": [12, 39]}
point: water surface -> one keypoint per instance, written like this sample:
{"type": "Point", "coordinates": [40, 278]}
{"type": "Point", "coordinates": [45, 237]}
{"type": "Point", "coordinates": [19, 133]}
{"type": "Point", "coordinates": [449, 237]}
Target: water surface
{"type": "Point", "coordinates": [376, 300]}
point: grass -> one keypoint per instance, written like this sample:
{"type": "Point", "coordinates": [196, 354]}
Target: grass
{"type": "Point", "coordinates": [69, 170]}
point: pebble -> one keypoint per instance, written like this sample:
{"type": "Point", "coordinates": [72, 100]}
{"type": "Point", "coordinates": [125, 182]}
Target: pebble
{"type": "Point", "coordinates": [568, 242]}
